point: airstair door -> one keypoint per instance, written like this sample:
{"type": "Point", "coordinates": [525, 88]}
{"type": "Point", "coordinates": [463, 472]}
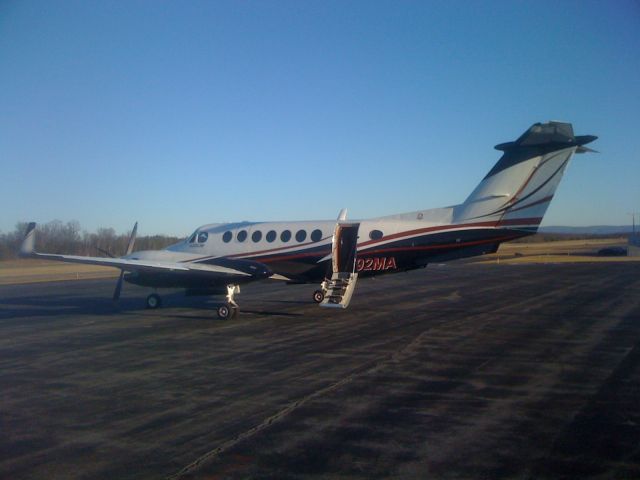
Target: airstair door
{"type": "Point", "coordinates": [344, 250]}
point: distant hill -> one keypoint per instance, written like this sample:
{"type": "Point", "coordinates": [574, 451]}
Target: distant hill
{"type": "Point", "coordinates": [593, 230]}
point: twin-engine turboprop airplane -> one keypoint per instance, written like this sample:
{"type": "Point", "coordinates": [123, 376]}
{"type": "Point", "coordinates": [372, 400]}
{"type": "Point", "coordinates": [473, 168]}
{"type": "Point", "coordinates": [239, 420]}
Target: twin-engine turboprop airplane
{"type": "Point", "coordinates": [216, 259]}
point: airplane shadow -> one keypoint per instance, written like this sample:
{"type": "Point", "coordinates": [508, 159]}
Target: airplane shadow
{"type": "Point", "coordinates": [21, 307]}
{"type": "Point", "coordinates": [70, 305]}
{"type": "Point", "coordinates": [267, 313]}
{"type": "Point", "coordinates": [295, 302]}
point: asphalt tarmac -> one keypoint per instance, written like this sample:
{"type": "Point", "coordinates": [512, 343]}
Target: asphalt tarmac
{"type": "Point", "coordinates": [456, 371]}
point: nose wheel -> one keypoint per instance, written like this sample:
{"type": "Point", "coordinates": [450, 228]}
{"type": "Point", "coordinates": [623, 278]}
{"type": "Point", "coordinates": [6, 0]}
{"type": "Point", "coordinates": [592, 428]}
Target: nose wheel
{"type": "Point", "coordinates": [226, 311]}
{"type": "Point", "coordinates": [231, 308]}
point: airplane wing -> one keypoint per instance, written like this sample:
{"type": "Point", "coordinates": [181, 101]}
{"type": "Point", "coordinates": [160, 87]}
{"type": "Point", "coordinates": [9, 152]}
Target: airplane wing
{"type": "Point", "coordinates": [131, 265]}
{"type": "Point", "coordinates": [137, 265]}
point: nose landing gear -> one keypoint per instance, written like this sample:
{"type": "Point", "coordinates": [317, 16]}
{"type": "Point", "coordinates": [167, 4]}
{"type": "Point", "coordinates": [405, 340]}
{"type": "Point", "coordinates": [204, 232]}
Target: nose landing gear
{"type": "Point", "coordinates": [230, 309]}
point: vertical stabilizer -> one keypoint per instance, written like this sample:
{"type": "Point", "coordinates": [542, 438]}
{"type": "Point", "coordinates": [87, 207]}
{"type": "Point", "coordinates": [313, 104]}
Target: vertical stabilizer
{"type": "Point", "coordinates": [517, 191]}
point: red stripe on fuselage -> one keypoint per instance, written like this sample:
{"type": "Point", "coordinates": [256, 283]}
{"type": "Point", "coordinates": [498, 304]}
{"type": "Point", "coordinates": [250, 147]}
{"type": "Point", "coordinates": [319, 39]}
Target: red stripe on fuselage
{"type": "Point", "coordinates": [441, 246]}
{"type": "Point", "coordinates": [503, 238]}
{"type": "Point", "coordinates": [395, 236]}
{"type": "Point", "coordinates": [408, 233]}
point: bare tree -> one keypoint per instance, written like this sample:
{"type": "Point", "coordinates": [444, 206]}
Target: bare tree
{"type": "Point", "coordinates": [59, 237]}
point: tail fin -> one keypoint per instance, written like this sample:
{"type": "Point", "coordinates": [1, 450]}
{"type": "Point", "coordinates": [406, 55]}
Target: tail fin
{"type": "Point", "coordinates": [518, 189]}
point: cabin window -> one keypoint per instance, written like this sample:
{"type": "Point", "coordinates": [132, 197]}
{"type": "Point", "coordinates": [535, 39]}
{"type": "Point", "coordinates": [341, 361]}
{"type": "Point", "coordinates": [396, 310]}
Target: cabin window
{"type": "Point", "coordinates": [301, 235]}
{"type": "Point", "coordinates": [271, 236]}
{"type": "Point", "coordinates": [202, 237]}
{"type": "Point", "coordinates": [316, 235]}
{"type": "Point", "coordinates": [256, 236]}
{"type": "Point", "coordinates": [375, 234]}
{"type": "Point", "coordinates": [285, 236]}
{"type": "Point", "coordinates": [242, 235]}
{"type": "Point", "coordinates": [226, 238]}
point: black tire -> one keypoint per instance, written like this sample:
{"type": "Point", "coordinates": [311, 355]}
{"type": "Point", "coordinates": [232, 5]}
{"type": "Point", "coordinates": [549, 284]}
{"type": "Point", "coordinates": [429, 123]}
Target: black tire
{"type": "Point", "coordinates": [224, 312]}
{"type": "Point", "coordinates": [318, 296]}
{"type": "Point", "coordinates": [154, 301]}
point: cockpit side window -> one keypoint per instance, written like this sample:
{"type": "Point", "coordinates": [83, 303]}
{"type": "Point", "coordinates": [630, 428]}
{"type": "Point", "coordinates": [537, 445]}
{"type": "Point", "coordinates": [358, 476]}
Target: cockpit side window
{"type": "Point", "coordinates": [192, 238]}
{"type": "Point", "coordinates": [202, 237]}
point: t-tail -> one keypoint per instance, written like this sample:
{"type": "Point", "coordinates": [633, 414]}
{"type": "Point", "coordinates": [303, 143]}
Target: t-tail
{"type": "Point", "coordinates": [517, 191]}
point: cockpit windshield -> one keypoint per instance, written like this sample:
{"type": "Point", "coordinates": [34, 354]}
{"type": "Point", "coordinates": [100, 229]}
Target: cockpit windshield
{"type": "Point", "coordinates": [198, 236]}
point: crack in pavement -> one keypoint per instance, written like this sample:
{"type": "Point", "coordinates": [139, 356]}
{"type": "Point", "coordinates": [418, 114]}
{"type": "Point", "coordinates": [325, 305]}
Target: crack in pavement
{"type": "Point", "coordinates": [370, 367]}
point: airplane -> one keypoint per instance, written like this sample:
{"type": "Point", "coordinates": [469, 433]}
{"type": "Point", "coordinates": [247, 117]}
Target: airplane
{"type": "Point", "coordinates": [509, 203]}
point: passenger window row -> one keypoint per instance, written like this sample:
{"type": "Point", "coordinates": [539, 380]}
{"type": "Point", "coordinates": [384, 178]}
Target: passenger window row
{"type": "Point", "coordinates": [285, 236]}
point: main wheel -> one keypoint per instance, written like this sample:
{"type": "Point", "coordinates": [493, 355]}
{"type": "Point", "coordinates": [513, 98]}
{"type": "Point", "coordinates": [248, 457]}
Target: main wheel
{"type": "Point", "coordinates": [154, 301]}
{"type": "Point", "coordinates": [318, 296]}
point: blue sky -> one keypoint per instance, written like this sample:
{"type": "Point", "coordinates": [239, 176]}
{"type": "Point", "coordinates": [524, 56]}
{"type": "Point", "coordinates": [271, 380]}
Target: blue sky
{"type": "Point", "coordinates": [177, 114]}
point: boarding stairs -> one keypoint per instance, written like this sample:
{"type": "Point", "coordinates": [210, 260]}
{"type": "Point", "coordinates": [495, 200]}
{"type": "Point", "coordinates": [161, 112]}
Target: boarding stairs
{"type": "Point", "coordinates": [339, 288]}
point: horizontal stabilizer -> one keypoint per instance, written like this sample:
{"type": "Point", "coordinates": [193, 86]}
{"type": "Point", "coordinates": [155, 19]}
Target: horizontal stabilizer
{"type": "Point", "coordinates": [582, 149]}
{"type": "Point", "coordinates": [549, 136]}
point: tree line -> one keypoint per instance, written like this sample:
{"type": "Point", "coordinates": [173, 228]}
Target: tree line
{"type": "Point", "coordinates": [59, 237]}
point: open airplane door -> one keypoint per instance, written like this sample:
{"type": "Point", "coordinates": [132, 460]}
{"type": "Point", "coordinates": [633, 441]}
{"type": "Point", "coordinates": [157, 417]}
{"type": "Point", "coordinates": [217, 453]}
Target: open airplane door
{"type": "Point", "coordinates": [343, 278]}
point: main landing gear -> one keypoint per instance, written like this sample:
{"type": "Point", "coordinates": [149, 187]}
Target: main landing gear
{"type": "Point", "coordinates": [319, 294]}
{"type": "Point", "coordinates": [229, 309]}
{"type": "Point", "coordinates": [154, 301]}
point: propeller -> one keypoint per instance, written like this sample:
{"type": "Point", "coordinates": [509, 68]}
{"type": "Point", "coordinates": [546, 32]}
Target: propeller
{"type": "Point", "coordinates": [105, 252]}
{"type": "Point", "coordinates": [132, 241]}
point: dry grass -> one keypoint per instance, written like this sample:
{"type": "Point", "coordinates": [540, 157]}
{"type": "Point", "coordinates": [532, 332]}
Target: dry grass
{"type": "Point", "coordinates": [32, 271]}
{"type": "Point", "coordinates": [564, 251]}
{"type": "Point", "coordinates": [556, 259]}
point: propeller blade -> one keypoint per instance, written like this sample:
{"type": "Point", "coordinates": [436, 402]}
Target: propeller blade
{"type": "Point", "coordinates": [106, 252]}
{"type": "Point", "coordinates": [116, 293]}
{"type": "Point", "coordinates": [132, 239]}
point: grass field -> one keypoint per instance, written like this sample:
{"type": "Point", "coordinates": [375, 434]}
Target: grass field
{"type": "Point", "coordinates": [31, 271]}
{"type": "Point", "coordinates": [566, 251]}
{"type": "Point", "coordinates": [563, 251]}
